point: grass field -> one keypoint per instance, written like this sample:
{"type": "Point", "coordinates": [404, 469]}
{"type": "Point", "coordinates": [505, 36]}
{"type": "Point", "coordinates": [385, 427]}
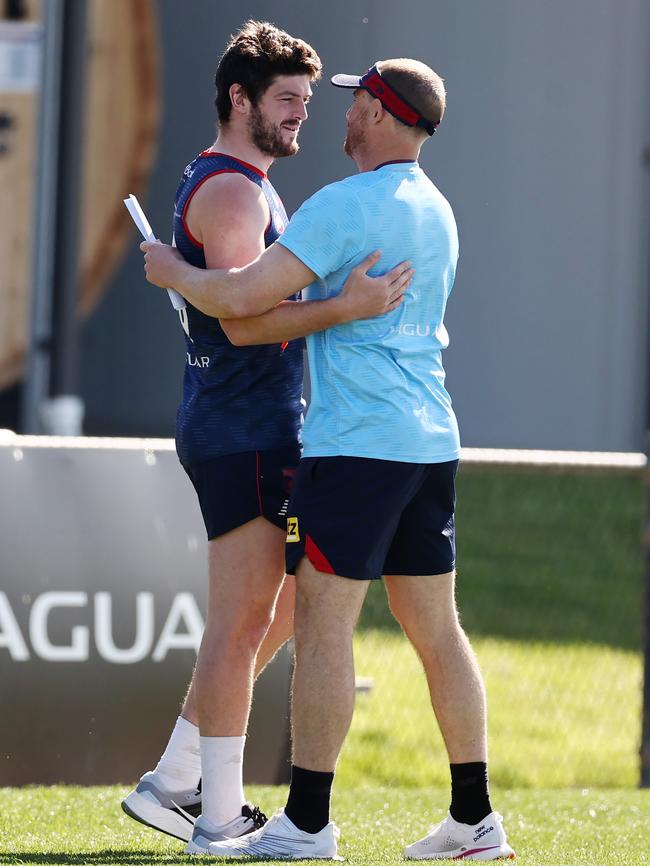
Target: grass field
{"type": "Point", "coordinates": [77, 826]}
{"type": "Point", "coordinates": [550, 591]}
{"type": "Point", "coordinates": [546, 556]}
{"type": "Point", "coordinates": [551, 556]}
{"type": "Point", "coordinates": [559, 716]}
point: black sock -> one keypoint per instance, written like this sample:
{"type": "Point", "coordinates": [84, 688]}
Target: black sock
{"type": "Point", "coordinates": [308, 806]}
{"type": "Point", "coordinates": [470, 798]}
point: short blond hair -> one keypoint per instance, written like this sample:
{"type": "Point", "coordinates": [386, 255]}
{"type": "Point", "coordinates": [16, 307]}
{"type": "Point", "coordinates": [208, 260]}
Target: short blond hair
{"type": "Point", "coordinates": [418, 84]}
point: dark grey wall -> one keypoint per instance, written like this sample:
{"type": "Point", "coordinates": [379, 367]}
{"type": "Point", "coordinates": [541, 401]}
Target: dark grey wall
{"type": "Point", "coordinates": [541, 156]}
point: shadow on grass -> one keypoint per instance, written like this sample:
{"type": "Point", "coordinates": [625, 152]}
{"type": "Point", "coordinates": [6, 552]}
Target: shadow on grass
{"type": "Point", "coordinates": [107, 857]}
{"type": "Point", "coordinates": [544, 556]}
{"type": "Point", "coordinates": [101, 858]}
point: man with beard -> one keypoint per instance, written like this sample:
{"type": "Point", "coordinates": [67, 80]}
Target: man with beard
{"type": "Point", "coordinates": [374, 494]}
{"type": "Point", "coordinates": [238, 430]}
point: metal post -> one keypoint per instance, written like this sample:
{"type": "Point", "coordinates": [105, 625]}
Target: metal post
{"type": "Point", "coordinates": [645, 712]}
{"type": "Point", "coordinates": [644, 749]}
{"type": "Point", "coordinates": [64, 361]}
{"type": "Point", "coordinates": [37, 376]}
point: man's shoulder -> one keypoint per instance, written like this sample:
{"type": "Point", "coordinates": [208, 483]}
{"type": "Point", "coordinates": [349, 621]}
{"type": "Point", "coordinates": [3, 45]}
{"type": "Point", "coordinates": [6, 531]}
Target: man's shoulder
{"type": "Point", "coordinates": [227, 202]}
{"type": "Point", "coordinates": [336, 194]}
{"type": "Point", "coordinates": [230, 170]}
{"type": "Point", "coordinates": [230, 189]}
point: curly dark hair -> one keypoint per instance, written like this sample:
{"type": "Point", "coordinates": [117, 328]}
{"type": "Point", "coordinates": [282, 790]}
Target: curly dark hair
{"type": "Point", "coordinates": [254, 57]}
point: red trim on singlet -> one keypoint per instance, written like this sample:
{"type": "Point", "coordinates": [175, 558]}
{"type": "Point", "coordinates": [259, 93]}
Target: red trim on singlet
{"type": "Point", "coordinates": [257, 475]}
{"type": "Point", "coordinates": [236, 158]}
{"type": "Point", "coordinates": [191, 196]}
{"type": "Point", "coordinates": [189, 234]}
{"type": "Point", "coordinates": [317, 557]}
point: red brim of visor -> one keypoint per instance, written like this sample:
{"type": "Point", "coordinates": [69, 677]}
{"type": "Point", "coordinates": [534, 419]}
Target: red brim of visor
{"type": "Point", "coordinates": [388, 96]}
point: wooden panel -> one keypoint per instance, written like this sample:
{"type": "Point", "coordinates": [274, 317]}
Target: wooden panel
{"type": "Point", "coordinates": [17, 169]}
{"type": "Point", "coordinates": [123, 109]}
{"type": "Point", "coordinates": [121, 125]}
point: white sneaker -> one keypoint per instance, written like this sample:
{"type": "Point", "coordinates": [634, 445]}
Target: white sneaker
{"type": "Point", "coordinates": [172, 812]}
{"type": "Point", "coordinates": [205, 832]}
{"type": "Point", "coordinates": [451, 840]}
{"type": "Point", "coordinates": [280, 839]}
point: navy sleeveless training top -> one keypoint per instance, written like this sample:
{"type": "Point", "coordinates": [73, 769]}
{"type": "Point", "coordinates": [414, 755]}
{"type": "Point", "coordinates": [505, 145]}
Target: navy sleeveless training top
{"type": "Point", "coordinates": [235, 398]}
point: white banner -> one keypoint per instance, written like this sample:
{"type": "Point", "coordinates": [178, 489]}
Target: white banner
{"type": "Point", "coordinates": [20, 56]}
{"type": "Point", "coordinates": [103, 581]}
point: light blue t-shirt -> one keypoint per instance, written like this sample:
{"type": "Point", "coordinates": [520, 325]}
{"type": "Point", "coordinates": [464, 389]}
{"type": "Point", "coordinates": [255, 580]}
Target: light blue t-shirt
{"type": "Point", "coordinates": [378, 385]}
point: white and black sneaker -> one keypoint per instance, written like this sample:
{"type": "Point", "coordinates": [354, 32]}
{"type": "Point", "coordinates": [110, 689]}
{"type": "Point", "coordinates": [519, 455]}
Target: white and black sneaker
{"type": "Point", "coordinates": [280, 839]}
{"type": "Point", "coordinates": [172, 812]}
{"type": "Point", "coordinates": [451, 840]}
{"type": "Point", "coordinates": [205, 832]}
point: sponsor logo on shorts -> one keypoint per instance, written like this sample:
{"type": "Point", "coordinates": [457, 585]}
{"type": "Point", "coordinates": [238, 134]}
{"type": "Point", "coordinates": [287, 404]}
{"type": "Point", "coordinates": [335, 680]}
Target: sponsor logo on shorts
{"type": "Point", "coordinates": [293, 533]}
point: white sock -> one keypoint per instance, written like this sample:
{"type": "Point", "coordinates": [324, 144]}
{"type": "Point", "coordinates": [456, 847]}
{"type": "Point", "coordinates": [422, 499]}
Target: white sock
{"type": "Point", "coordinates": [222, 786]}
{"type": "Point", "coordinates": [179, 768]}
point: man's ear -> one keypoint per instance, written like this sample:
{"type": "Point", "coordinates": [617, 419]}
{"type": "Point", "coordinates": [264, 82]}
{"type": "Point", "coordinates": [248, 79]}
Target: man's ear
{"type": "Point", "coordinates": [238, 98]}
{"type": "Point", "coordinates": [377, 110]}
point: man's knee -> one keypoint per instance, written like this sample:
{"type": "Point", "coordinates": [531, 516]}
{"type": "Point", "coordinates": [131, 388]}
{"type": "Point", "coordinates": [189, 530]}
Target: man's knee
{"type": "Point", "coordinates": [241, 627]}
{"type": "Point", "coordinates": [400, 608]}
{"type": "Point", "coordinates": [428, 614]}
{"type": "Point", "coordinates": [313, 622]}
{"type": "Point", "coordinates": [327, 607]}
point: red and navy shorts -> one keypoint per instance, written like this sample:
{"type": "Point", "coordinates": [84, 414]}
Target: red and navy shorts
{"type": "Point", "coordinates": [362, 518]}
{"type": "Point", "coordinates": [237, 488]}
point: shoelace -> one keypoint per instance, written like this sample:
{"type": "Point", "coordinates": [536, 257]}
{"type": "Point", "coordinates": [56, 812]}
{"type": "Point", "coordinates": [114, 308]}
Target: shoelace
{"type": "Point", "coordinates": [258, 817]}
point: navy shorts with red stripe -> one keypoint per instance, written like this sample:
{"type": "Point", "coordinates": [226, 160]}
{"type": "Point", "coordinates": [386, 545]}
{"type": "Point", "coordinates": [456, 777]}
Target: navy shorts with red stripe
{"type": "Point", "coordinates": [362, 518]}
{"type": "Point", "coordinates": [237, 488]}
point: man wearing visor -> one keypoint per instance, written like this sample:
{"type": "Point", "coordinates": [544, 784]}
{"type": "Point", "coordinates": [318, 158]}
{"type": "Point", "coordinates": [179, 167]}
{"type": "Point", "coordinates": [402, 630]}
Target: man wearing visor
{"type": "Point", "coordinates": [374, 494]}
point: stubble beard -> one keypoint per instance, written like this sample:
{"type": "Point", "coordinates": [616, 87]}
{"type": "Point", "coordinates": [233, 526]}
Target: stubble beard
{"type": "Point", "coordinates": [354, 140]}
{"type": "Point", "coordinates": [268, 138]}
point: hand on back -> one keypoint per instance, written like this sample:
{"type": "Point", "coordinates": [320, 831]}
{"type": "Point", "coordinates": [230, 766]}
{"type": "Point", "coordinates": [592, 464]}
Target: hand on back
{"type": "Point", "coordinates": [365, 296]}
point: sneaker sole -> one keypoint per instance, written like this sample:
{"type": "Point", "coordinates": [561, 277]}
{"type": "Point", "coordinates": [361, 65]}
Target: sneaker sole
{"type": "Point", "coordinates": [142, 809]}
{"type": "Point", "coordinates": [257, 858]}
{"type": "Point", "coordinates": [193, 848]}
{"type": "Point", "coordinates": [505, 852]}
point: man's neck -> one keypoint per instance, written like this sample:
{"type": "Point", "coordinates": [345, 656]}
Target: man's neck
{"type": "Point", "coordinates": [370, 159]}
{"type": "Point", "coordinates": [239, 145]}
